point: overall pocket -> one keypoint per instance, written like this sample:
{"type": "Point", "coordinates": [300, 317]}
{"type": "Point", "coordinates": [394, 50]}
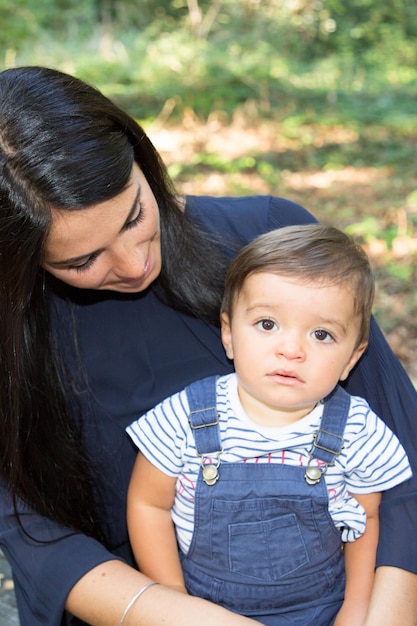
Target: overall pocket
{"type": "Point", "coordinates": [262, 539]}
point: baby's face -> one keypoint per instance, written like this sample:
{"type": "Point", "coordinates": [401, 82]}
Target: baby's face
{"type": "Point", "coordinates": [291, 343]}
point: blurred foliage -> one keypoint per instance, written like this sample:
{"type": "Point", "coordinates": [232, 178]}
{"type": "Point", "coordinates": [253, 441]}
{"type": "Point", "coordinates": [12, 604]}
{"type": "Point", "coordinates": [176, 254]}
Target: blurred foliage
{"type": "Point", "coordinates": [334, 82]}
{"type": "Point", "coordinates": [309, 66]}
{"type": "Point", "coordinates": [256, 39]}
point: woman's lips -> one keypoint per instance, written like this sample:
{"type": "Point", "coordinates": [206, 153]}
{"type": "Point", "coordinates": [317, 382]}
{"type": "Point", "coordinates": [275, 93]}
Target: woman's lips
{"type": "Point", "coordinates": [137, 281]}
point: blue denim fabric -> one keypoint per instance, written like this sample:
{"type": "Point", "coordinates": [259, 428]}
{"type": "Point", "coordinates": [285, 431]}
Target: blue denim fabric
{"type": "Point", "coordinates": [265, 546]}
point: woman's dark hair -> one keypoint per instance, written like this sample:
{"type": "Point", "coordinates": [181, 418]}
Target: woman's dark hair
{"type": "Point", "coordinates": [64, 145]}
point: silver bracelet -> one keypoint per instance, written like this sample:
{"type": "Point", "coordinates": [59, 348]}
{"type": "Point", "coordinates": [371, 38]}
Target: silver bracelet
{"type": "Point", "coordinates": [133, 600]}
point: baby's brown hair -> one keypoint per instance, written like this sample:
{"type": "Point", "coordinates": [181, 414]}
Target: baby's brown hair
{"type": "Point", "coordinates": [312, 253]}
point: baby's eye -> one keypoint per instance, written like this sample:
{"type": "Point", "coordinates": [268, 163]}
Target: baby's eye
{"type": "Point", "coordinates": [266, 324]}
{"type": "Point", "coordinates": [322, 335]}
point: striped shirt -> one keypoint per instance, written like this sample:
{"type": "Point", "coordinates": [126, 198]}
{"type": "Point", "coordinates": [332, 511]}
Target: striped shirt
{"type": "Point", "coordinates": [372, 459]}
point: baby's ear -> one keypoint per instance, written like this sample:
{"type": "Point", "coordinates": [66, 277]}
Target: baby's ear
{"type": "Point", "coordinates": [356, 355]}
{"type": "Point", "coordinates": [226, 334]}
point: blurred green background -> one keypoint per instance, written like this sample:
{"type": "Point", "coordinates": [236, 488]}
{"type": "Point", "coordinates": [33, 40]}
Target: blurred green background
{"type": "Point", "coordinates": [314, 100]}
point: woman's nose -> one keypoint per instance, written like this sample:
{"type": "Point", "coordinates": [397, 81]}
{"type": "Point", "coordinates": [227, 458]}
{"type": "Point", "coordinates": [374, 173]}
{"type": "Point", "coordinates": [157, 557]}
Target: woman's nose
{"type": "Point", "coordinates": [129, 261]}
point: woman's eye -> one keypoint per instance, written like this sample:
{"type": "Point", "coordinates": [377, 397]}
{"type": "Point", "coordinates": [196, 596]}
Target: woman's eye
{"type": "Point", "coordinates": [139, 217]}
{"type": "Point", "coordinates": [266, 325]}
{"type": "Point", "coordinates": [84, 266]}
{"type": "Point", "coordinates": [322, 335]}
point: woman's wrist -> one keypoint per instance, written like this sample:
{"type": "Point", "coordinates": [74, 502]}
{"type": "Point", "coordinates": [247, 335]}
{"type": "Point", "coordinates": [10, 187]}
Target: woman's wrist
{"type": "Point", "coordinates": [134, 600]}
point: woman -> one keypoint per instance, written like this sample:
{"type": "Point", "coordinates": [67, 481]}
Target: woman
{"type": "Point", "coordinates": [111, 289]}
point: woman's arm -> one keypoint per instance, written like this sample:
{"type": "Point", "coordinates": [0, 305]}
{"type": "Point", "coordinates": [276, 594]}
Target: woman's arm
{"type": "Point", "coordinates": [151, 530]}
{"type": "Point", "coordinates": [380, 378]}
{"type": "Point", "coordinates": [101, 597]}
{"type": "Point", "coordinates": [394, 598]}
{"type": "Point", "coordinates": [360, 566]}
{"type": "Point", "coordinates": [46, 559]}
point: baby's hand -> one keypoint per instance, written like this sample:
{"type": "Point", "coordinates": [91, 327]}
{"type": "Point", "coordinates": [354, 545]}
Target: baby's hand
{"type": "Point", "coordinates": [351, 614]}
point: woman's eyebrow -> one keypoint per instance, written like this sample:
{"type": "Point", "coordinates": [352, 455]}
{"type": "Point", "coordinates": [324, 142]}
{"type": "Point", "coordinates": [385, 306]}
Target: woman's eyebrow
{"type": "Point", "coordinates": [87, 255]}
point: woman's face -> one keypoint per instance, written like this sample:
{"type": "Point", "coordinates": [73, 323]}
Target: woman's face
{"type": "Point", "coordinates": [114, 245]}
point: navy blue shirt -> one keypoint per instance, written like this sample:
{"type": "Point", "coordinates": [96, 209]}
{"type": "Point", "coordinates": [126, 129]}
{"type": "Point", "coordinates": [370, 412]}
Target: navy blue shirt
{"type": "Point", "coordinates": [135, 352]}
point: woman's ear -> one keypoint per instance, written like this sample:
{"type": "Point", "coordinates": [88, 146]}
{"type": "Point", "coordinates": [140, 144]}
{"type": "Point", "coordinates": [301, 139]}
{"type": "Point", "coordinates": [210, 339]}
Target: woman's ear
{"type": "Point", "coordinates": [356, 355]}
{"type": "Point", "coordinates": [226, 330]}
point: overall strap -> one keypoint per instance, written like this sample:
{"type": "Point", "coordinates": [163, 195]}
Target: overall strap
{"type": "Point", "coordinates": [203, 417]}
{"type": "Point", "coordinates": [328, 439]}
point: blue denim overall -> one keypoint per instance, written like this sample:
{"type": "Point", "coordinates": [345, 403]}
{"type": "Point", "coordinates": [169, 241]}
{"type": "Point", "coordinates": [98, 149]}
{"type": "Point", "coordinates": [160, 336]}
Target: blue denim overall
{"type": "Point", "coordinates": [264, 543]}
